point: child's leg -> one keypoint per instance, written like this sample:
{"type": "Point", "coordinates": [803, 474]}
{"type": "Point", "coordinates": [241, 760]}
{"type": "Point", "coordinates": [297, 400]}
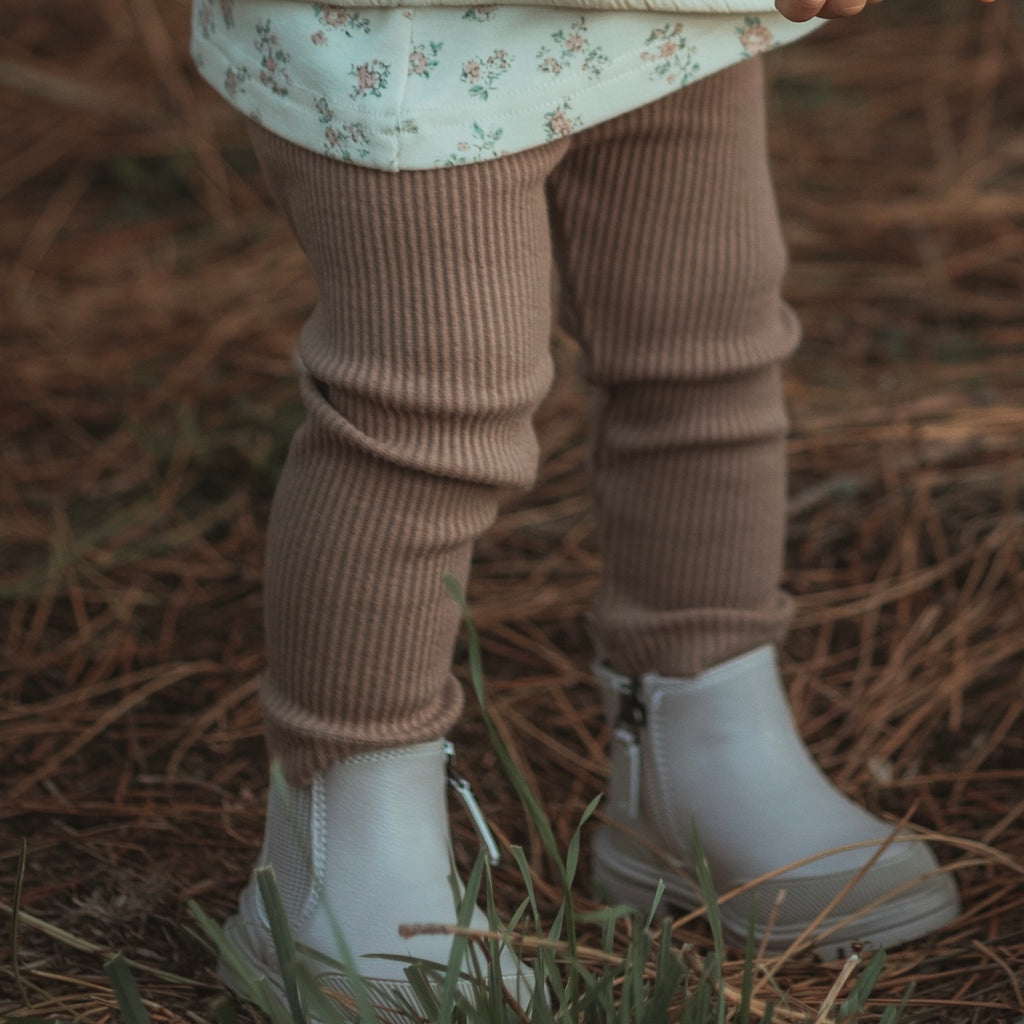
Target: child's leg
{"type": "Point", "coordinates": [424, 359]}
{"type": "Point", "coordinates": [672, 258]}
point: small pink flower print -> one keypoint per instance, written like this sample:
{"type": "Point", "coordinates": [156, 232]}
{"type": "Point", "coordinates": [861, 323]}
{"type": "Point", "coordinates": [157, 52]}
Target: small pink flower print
{"type": "Point", "coordinates": [227, 12]}
{"type": "Point", "coordinates": [463, 147]}
{"type": "Point", "coordinates": [338, 19]}
{"type": "Point", "coordinates": [367, 79]}
{"type": "Point", "coordinates": [318, 39]}
{"type": "Point", "coordinates": [332, 136]}
{"type": "Point", "coordinates": [273, 59]}
{"type": "Point", "coordinates": [572, 51]}
{"type": "Point", "coordinates": [231, 82]}
{"type": "Point", "coordinates": [335, 17]}
{"type": "Point", "coordinates": [671, 55]}
{"type": "Point", "coordinates": [559, 123]}
{"type": "Point", "coordinates": [424, 58]}
{"type": "Point", "coordinates": [757, 39]}
{"type": "Point", "coordinates": [371, 79]}
{"type": "Point", "coordinates": [482, 74]}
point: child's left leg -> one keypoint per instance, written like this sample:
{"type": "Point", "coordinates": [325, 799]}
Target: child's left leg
{"type": "Point", "coordinates": [672, 260]}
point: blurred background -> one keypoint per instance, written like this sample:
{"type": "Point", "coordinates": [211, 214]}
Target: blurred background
{"type": "Point", "coordinates": [151, 298]}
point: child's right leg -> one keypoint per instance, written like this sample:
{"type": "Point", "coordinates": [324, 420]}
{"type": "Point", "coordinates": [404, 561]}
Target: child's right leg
{"type": "Point", "coordinates": [423, 361]}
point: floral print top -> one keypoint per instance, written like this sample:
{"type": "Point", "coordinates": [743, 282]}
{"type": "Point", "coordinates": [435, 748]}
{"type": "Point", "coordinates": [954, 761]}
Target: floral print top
{"type": "Point", "coordinates": [416, 88]}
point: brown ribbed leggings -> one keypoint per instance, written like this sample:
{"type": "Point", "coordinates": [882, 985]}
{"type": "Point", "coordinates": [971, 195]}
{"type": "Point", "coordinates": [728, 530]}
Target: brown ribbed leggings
{"type": "Point", "coordinates": [427, 354]}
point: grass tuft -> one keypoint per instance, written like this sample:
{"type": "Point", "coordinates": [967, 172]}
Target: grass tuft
{"type": "Point", "coordinates": [653, 979]}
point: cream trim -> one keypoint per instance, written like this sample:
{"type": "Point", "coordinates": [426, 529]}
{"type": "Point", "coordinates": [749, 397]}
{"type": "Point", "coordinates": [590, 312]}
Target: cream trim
{"type": "Point", "coordinates": [668, 6]}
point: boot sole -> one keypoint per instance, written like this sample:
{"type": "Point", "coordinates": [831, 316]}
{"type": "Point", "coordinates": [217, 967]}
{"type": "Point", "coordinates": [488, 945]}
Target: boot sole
{"type": "Point", "coordinates": [633, 880]}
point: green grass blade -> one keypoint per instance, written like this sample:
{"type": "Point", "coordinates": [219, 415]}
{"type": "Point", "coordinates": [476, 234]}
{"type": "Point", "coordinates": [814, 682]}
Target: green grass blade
{"type": "Point", "coordinates": [519, 856]}
{"type": "Point", "coordinates": [710, 897]}
{"type": "Point", "coordinates": [495, 994]}
{"type": "Point", "coordinates": [522, 788]}
{"type": "Point", "coordinates": [123, 983]}
{"type": "Point", "coordinates": [424, 992]}
{"type": "Point", "coordinates": [747, 984]}
{"type": "Point", "coordinates": [659, 892]}
{"type": "Point", "coordinates": [280, 931]}
{"type": "Point", "coordinates": [460, 943]}
{"type": "Point", "coordinates": [85, 946]}
{"type": "Point", "coordinates": [863, 988]}
{"type": "Point", "coordinates": [223, 1011]}
{"type": "Point", "coordinates": [252, 986]}
{"type": "Point", "coordinates": [667, 978]}
{"type": "Point", "coordinates": [523, 791]}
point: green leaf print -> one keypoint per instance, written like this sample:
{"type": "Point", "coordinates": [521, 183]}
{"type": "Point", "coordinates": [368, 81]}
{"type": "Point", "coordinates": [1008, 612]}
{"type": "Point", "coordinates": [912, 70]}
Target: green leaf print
{"type": "Point", "coordinates": [482, 146]}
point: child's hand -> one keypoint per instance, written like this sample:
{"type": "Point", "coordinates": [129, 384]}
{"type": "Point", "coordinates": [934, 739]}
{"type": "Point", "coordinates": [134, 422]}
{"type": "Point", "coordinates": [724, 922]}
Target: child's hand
{"type": "Point", "coordinates": [804, 10]}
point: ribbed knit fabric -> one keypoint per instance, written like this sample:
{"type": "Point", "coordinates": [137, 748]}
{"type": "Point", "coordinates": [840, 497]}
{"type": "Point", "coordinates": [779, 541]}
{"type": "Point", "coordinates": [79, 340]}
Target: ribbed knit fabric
{"type": "Point", "coordinates": [671, 258]}
{"type": "Point", "coordinates": [427, 354]}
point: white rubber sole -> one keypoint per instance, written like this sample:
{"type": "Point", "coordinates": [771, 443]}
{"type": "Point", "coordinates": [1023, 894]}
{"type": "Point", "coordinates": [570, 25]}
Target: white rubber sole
{"type": "Point", "coordinates": [621, 874]}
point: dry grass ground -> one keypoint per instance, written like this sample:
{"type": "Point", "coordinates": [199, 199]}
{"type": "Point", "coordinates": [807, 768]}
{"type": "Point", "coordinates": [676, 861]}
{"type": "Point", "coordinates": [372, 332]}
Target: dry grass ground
{"type": "Point", "coordinates": [150, 301]}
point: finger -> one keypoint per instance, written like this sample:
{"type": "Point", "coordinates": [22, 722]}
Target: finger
{"type": "Point", "coordinates": [842, 8]}
{"type": "Point", "coordinates": [799, 10]}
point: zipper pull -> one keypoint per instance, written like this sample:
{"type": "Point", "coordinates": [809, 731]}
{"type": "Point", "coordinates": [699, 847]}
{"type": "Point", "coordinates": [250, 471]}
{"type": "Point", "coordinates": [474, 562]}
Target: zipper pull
{"type": "Point", "coordinates": [632, 710]}
{"type": "Point", "coordinates": [461, 786]}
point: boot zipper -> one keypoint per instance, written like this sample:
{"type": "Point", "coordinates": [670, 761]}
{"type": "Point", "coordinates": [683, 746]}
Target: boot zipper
{"type": "Point", "coordinates": [461, 786]}
{"type": "Point", "coordinates": [626, 768]}
{"type": "Point", "coordinates": [632, 710]}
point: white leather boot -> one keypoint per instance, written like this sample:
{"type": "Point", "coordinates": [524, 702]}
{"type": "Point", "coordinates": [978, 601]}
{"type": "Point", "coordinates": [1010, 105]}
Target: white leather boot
{"type": "Point", "coordinates": [720, 754]}
{"type": "Point", "coordinates": [364, 849]}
